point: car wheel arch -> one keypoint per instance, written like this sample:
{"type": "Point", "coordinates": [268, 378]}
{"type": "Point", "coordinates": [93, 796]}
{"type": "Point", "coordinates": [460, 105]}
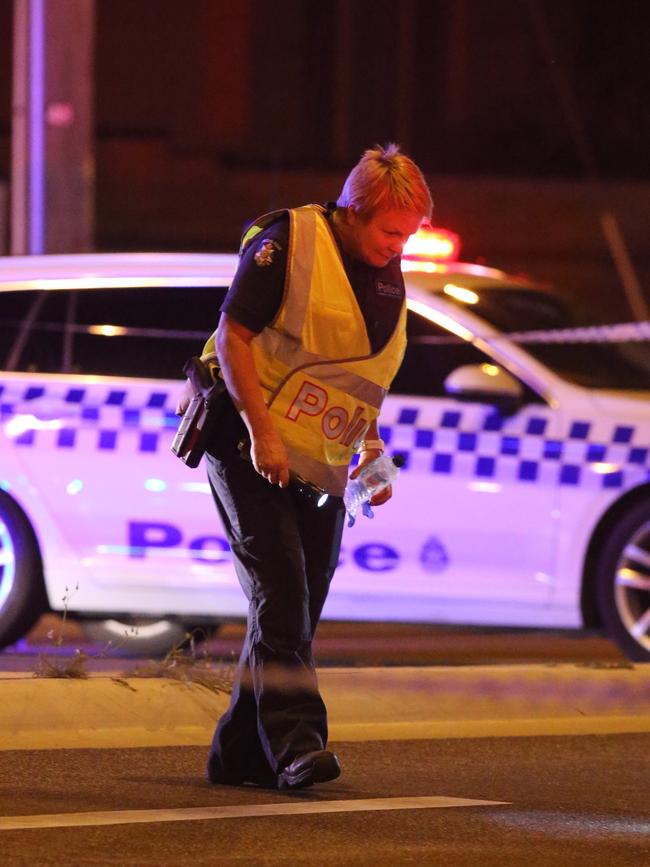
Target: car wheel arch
{"type": "Point", "coordinates": [588, 602]}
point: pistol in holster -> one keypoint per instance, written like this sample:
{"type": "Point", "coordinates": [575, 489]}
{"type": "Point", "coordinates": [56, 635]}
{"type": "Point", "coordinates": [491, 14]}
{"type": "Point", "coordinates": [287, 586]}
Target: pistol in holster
{"type": "Point", "coordinates": [199, 418]}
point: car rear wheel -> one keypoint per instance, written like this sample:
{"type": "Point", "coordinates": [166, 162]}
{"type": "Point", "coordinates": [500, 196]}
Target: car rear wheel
{"type": "Point", "coordinates": [22, 594]}
{"type": "Point", "coordinates": [143, 636]}
{"type": "Point", "coordinates": [623, 582]}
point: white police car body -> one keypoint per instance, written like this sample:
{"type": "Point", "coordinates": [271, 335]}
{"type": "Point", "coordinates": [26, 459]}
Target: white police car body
{"type": "Point", "coordinates": [524, 499]}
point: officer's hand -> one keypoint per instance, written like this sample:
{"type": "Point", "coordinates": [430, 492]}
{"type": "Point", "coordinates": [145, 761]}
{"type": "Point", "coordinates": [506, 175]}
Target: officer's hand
{"type": "Point", "coordinates": [367, 457]}
{"type": "Point", "coordinates": [186, 397]}
{"type": "Point", "coordinates": [382, 497]}
{"type": "Point", "coordinates": [270, 459]}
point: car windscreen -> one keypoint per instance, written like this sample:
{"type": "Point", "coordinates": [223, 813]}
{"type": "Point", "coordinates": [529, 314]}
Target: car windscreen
{"type": "Point", "coordinates": [599, 358]}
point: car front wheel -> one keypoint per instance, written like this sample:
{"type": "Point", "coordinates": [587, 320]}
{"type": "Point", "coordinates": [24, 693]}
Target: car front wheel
{"type": "Point", "coordinates": [623, 582]}
{"type": "Point", "coordinates": [22, 595]}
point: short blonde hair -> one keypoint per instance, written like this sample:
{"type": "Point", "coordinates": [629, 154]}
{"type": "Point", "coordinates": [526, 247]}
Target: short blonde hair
{"type": "Point", "coordinates": [384, 177]}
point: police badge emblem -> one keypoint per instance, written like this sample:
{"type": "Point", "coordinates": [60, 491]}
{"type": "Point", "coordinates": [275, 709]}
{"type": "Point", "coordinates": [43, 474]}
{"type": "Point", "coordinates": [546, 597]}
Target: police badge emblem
{"type": "Point", "coordinates": [264, 255]}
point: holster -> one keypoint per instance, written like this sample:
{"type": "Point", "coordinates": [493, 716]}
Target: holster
{"type": "Point", "coordinates": [201, 414]}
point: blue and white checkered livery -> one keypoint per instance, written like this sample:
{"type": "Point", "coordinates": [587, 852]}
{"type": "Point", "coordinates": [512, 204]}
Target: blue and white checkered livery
{"type": "Point", "coordinates": [523, 500]}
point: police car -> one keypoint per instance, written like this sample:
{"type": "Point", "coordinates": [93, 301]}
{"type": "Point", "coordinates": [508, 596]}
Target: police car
{"type": "Point", "coordinates": [524, 499]}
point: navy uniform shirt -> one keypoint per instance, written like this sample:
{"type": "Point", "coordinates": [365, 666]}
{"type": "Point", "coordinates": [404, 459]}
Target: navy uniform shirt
{"type": "Point", "coordinates": [256, 292]}
{"type": "Point", "coordinates": [255, 296]}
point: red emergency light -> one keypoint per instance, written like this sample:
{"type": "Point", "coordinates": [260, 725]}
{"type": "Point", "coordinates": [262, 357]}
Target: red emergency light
{"type": "Point", "coordinates": [428, 246]}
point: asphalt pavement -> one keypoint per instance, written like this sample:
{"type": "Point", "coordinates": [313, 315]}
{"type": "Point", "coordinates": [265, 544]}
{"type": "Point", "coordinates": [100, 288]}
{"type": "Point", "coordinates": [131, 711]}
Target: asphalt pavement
{"type": "Point", "coordinates": [345, 644]}
{"type": "Point", "coordinates": [538, 762]}
{"type": "Point", "coordinates": [554, 801]}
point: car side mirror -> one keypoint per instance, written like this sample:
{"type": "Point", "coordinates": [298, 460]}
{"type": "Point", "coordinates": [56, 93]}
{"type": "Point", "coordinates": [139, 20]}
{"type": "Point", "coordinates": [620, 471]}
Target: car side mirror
{"type": "Point", "coordinates": [485, 383]}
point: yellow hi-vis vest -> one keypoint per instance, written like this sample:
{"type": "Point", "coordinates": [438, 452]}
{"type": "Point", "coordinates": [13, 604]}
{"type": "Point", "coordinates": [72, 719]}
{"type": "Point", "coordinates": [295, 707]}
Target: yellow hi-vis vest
{"type": "Point", "coordinates": [320, 380]}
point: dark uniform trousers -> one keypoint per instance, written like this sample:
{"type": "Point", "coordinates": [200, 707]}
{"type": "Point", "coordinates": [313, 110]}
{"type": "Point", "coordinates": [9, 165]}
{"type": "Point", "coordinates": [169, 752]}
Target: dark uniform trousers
{"type": "Point", "coordinates": [285, 552]}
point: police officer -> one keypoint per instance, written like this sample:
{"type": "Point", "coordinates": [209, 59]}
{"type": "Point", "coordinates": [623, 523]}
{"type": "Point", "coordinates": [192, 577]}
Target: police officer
{"type": "Point", "coordinates": [311, 335]}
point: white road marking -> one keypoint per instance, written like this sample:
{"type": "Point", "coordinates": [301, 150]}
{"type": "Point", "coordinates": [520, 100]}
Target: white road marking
{"type": "Point", "coordinates": [246, 811]}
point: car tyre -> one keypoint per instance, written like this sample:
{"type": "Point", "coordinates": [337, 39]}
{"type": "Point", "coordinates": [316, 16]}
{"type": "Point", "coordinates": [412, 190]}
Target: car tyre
{"type": "Point", "coordinates": [623, 582]}
{"type": "Point", "coordinates": [143, 636]}
{"type": "Point", "coordinates": [22, 592]}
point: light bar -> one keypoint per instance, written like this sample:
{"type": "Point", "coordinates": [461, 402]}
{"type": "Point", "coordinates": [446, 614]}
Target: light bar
{"type": "Point", "coordinates": [429, 245]}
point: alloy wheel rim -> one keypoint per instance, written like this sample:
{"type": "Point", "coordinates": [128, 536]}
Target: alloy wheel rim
{"type": "Point", "coordinates": [138, 628]}
{"type": "Point", "coordinates": [632, 586]}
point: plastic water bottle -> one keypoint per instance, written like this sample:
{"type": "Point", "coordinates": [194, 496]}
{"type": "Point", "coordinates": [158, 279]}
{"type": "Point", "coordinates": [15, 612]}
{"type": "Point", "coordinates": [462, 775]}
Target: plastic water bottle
{"type": "Point", "coordinates": [374, 477]}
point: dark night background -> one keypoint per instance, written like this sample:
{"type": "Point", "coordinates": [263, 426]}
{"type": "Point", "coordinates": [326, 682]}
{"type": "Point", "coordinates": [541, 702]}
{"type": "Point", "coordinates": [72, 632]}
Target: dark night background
{"type": "Point", "coordinates": [209, 111]}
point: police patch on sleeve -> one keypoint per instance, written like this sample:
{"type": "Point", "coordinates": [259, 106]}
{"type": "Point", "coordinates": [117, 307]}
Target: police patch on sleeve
{"type": "Point", "coordinates": [266, 251]}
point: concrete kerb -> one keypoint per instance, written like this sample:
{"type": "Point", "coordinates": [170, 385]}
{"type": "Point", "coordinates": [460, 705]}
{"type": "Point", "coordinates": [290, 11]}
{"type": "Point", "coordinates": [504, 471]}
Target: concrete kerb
{"type": "Point", "coordinates": [364, 704]}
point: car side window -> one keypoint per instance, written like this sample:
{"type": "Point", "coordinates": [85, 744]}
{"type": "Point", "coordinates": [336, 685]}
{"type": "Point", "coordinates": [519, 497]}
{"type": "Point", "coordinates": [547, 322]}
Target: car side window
{"type": "Point", "coordinates": [432, 353]}
{"type": "Point", "coordinates": [148, 332]}
{"type": "Point", "coordinates": [139, 332]}
{"type": "Point", "coordinates": [32, 329]}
